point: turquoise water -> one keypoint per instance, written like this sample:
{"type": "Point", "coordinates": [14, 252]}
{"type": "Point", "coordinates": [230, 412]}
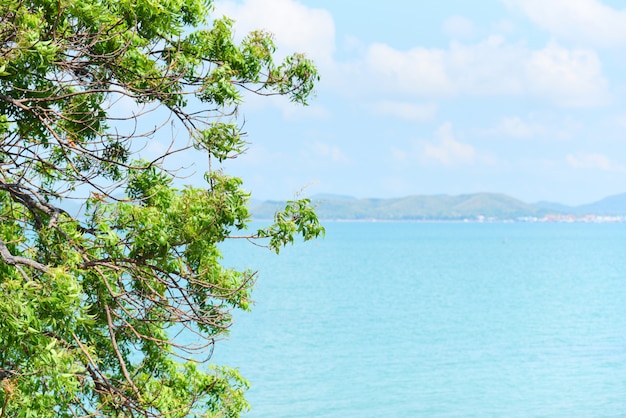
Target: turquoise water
{"type": "Point", "coordinates": [437, 320]}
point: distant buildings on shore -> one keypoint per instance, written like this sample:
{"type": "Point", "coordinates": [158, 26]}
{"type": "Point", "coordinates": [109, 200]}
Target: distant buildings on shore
{"type": "Point", "coordinates": [563, 219]}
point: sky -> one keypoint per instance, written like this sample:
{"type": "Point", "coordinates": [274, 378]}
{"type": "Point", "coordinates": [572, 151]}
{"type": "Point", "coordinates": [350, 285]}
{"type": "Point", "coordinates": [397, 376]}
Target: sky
{"type": "Point", "coordinates": [522, 97]}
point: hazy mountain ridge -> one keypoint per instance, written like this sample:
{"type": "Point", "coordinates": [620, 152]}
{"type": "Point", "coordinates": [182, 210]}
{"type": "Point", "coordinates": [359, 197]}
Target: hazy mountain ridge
{"type": "Point", "coordinates": [444, 207]}
{"type": "Point", "coordinates": [611, 205]}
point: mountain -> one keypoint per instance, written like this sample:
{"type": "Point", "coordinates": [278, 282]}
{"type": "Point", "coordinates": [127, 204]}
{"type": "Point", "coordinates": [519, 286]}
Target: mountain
{"type": "Point", "coordinates": [444, 207]}
{"type": "Point", "coordinates": [437, 207]}
{"type": "Point", "coordinates": [609, 206]}
{"type": "Point", "coordinates": [612, 205]}
{"type": "Point", "coordinates": [554, 207]}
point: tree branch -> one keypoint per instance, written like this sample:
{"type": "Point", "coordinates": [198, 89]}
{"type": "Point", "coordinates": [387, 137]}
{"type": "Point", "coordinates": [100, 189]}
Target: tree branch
{"type": "Point", "coordinates": [119, 355]}
{"type": "Point", "coordinates": [17, 261]}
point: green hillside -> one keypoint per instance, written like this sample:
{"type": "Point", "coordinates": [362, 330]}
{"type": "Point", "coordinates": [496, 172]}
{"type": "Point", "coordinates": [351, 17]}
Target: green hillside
{"type": "Point", "coordinates": [438, 207]}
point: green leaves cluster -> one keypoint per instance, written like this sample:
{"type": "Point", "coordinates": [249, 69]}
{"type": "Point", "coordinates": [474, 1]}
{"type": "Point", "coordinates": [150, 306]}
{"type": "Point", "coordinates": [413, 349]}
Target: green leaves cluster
{"type": "Point", "coordinates": [92, 302]}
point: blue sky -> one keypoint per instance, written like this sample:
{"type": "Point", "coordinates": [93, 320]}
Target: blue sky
{"type": "Point", "coordinates": [523, 97]}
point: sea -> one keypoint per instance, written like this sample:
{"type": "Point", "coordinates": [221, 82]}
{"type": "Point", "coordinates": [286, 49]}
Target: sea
{"type": "Point", "coordinates": [415, 319]}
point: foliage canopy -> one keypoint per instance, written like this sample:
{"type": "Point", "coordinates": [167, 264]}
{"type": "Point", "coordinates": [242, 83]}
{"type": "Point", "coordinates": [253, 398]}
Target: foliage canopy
{"type": "Point", "coordinates": [91, 300]}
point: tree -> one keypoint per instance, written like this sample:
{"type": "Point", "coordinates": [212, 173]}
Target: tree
{"type": "Point", "coordinates": [92, 302]}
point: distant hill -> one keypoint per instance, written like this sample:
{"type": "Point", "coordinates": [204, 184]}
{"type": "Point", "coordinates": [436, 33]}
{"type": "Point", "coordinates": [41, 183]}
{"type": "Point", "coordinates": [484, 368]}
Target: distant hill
{"type": "Point", "coordinates": [438, 207]}
{"type": "Point", "coordinates": [443, 207]}
{"type": "Point", "coordinates": [554, 207]}
{"type": "Point", "coordinates": [612, 205]}
{"type": "Point", "coordinates": [609, 206]}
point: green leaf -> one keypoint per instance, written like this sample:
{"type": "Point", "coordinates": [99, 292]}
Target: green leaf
{"type": "Point", "coordinates": [105, 256]}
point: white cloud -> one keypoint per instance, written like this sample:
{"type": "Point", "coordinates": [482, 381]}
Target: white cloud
{"type": "Point", "coordinates": [566, 77]}
{"type": "Point", "coordinates": [594, 161]}
{"type": "Point", "coordinates": [297, 28]}
{"type": "Point", "coordinates": [490, 67]}
{"type": "Point", "coordinates": [588, 22]}
{"type": "Point", "coordinates": [536, 125]}
{"type": "Point", "coordinates": [518, 128]}
{"type": "Point", "coordinates": [404, 110]}
{"type": "Point", "coordinates": [459, 27]}
{"type": "Point", "coordinates": [569, 77]}
{"type": "Point", "coordinates": [447, 150]}
{"type": "Point", "coordinates": [419, 71]}
{"type": "Point", "coordinates": [444, 149]}
{"type": "Point", "coordinates": [328, 152]}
